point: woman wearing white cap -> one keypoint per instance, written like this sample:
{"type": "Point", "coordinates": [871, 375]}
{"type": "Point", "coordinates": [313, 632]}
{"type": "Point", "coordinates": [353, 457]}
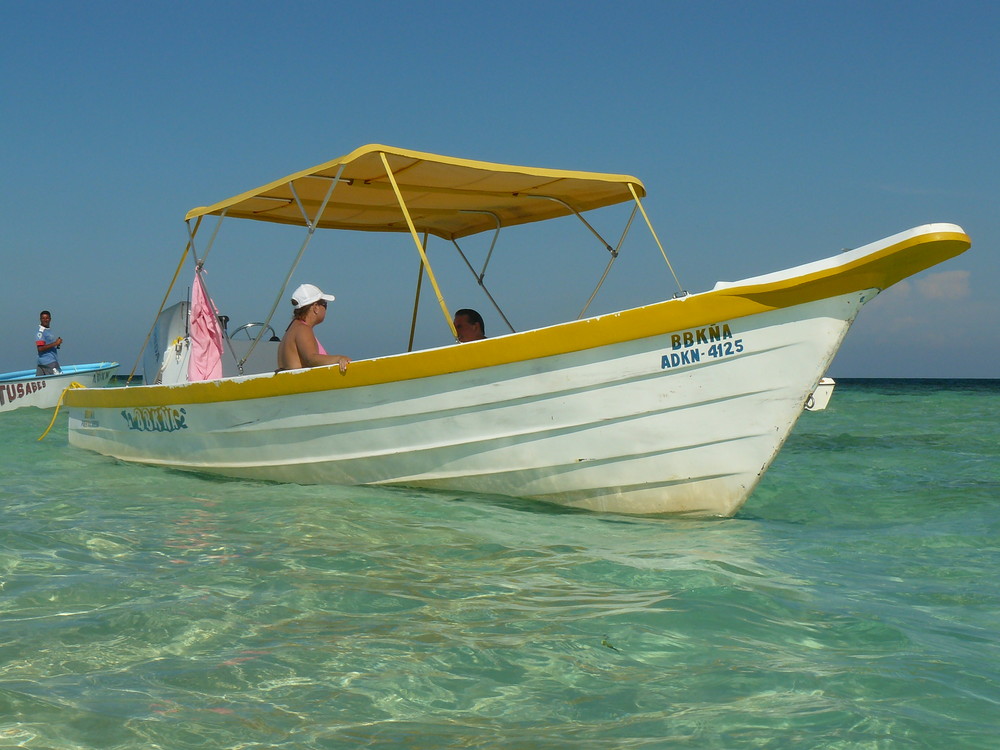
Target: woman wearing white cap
{"type": "Point", "coordinates": [299, 347]}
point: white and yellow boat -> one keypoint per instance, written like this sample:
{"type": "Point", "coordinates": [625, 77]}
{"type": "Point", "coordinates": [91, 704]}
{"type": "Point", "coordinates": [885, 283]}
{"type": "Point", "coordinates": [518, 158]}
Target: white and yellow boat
{"type": "Point", "coordinates": [673, 407]}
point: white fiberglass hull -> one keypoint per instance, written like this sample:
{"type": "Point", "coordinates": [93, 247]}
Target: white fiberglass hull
{"type": "Point", "coordinates": [24, 388]}
{"type": "Point", "coordinates": [682, 422]}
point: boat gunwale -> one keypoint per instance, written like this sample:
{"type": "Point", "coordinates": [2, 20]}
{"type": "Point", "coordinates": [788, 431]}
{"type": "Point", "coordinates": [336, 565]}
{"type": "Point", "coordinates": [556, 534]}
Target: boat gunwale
{"type": "Point", "coordinates": [68, 371]}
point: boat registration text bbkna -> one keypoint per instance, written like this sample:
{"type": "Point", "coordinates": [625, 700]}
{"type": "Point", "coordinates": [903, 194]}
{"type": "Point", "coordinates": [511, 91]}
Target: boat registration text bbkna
{"type": "Point", "coordinates": [711, 342]}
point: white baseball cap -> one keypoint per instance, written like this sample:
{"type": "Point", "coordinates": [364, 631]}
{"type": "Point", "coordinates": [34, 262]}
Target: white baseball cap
{"type": "Point", "coordinates": [306, 294]}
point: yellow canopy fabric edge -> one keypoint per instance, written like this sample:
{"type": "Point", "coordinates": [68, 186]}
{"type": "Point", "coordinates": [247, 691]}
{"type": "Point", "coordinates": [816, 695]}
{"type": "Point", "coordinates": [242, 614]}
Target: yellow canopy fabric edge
{"type": "Point", "coordinates": [437, 159]}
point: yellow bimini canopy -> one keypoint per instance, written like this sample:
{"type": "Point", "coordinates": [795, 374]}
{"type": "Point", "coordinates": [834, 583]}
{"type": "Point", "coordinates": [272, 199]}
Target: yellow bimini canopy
{"type": "Point", "coordinates": [444, 196]}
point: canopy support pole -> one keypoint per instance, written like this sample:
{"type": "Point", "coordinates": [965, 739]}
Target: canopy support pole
{"type": "Point", "coordinates": [578, 215]}
{"type": "Point", "coordinates": [416, 299]}
{"type": "Point", "coordinates": [211, 240]}
{"type": "Point", "coordinates": [652, 231]}
{"type": "Point", "coordinates": [607, 268]}
{"type": "Point", "coordinates": [199, 266]}
{"type": "Point", "coordinates": [493, 243]}
{"type": "Point", "coordinates": [311, 225]}
{"type": "Point", "coordinates": [420, 248]}
{"type": "Point", "coordinates": [187, 248]}
{"type": "Point", "coordinates": [479, 277]}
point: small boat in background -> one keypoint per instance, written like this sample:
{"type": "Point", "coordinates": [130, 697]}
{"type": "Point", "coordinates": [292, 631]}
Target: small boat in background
{"type": "Point", "coordinates": [820, 397]}
{"type": "Point", "coordinates": [25, 388]}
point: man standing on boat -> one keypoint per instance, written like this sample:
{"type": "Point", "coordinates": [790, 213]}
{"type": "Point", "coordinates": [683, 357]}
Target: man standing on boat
{"type": "Point", "coordinates": [47, 342]}
{"type": "Point", "coordinates": [299, 347]}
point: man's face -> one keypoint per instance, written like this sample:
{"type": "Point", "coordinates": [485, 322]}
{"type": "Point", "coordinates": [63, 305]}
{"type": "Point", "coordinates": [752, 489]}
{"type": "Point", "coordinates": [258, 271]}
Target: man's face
{"type": "Point", "coordinates": [45, 319]}
{"type": "Point", "coordinates": [466, 329]}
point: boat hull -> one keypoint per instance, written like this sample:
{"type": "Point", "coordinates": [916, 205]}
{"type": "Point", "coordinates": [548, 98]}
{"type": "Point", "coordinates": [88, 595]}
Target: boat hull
{"type": "Point", "coordinates": [685, 421]}
{"type": "Point", "coordinates": [25, 388]}
{"type": "Point", "coordinates": [674, 407]}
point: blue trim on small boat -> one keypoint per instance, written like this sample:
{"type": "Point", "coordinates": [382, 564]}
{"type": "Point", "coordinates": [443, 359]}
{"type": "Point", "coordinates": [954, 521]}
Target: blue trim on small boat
{"type": "Point", "coordinates": [67, 370]}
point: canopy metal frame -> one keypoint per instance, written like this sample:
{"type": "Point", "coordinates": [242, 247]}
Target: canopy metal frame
{"type": "Point", "coordinates": [481, 276]}
{"type": "Point", "coordinates": [311, 226]}
{"type": "Point", "coordinates": [314, 220]}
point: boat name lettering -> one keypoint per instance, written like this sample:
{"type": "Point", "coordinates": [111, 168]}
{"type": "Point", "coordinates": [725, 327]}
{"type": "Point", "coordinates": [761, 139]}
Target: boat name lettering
{"type": "Point", "coordinates": [155, 419]}
{"type": "Point", "coordinates": [11, 392]}
{"type": "Point", "coordinates": [706, 335]}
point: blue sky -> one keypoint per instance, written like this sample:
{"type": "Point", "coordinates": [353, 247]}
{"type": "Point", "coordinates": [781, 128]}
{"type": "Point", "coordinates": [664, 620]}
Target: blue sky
{"type": "Point", "coordinates": [768, 134]}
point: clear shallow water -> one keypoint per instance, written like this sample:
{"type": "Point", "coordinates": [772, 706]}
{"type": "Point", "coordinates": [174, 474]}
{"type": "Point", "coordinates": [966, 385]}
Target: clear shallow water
{"type": "Point", "coordinates": [853, 603]}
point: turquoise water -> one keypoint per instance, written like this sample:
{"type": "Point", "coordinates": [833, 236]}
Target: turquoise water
{"type": "Point", "coordinates": [854, 602]}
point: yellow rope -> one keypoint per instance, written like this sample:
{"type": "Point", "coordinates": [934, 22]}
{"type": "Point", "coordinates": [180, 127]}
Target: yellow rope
{"type": "Point", "coordinates": [74, 384]}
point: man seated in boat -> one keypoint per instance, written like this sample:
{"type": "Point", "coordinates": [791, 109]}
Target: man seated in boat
{"type": "Point", "coordinates": [469, 325]}
{"type": "Point", "coordinates": [299, 346]}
